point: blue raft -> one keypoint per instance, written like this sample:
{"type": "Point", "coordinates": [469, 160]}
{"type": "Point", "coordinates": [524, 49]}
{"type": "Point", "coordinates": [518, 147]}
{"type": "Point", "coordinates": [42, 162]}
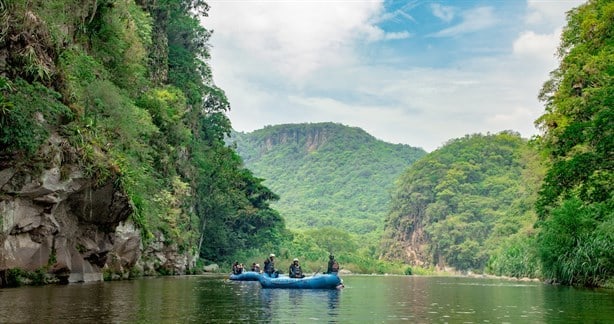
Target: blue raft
{"type": "Point", "coordinates": [320, 281]}
{"type": "Point", "coordinates": [246, 276]}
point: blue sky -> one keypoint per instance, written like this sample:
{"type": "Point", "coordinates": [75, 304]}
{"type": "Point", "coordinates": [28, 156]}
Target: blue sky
{"type": "Point", "coordinates": [407, 71]}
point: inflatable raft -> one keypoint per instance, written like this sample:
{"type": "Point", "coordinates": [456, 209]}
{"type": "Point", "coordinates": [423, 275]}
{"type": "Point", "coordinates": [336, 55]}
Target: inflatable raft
{"type": "Point", "coordinates": [246, 276]}
{"type": "Point", "coordinates": [320, 281]}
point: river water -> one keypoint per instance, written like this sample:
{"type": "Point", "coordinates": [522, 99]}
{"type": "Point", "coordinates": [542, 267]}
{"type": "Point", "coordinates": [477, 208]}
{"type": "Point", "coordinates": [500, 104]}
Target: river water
{"type": "Point", "coordinates": [365, 299]}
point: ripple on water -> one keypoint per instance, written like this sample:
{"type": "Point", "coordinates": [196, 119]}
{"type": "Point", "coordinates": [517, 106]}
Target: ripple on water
{"type": "Point", "coordinates": [365, 299]}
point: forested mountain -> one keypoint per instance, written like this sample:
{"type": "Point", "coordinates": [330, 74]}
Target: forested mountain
{"type": "Point", "coordinates": [111, 143]}
{"type": "Point", "coordinates": [460, 205]}
{"type": "Point", "coordinates": [326, 174]}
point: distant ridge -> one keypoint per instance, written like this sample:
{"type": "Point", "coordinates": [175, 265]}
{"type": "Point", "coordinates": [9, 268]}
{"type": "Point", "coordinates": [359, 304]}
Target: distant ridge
{"type": "Point", "coordinates": [326, 174]}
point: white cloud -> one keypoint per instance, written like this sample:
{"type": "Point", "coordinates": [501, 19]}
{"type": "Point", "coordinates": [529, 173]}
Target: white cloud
{"type": "Point", "coordinates": [296, 61]}
{"type": "Point", "coordinates": [297, 37]}
{"type": "Point", "coordinates": [544, 20]}
{"type": "Point", "coordinates": [474, 20]}
{"type": "Point", "coordinates": [399, 14]}
{"type": "Point", "coordinates": [540, 46]}
{"type": "Point", "coordinates": [398, 35]}
{"type": "Point", "coordinates": [549, 13]}
{"type": "Point", "coordinates": [444, 13]}
{"type": "Point", "coordinates": [419, 106]}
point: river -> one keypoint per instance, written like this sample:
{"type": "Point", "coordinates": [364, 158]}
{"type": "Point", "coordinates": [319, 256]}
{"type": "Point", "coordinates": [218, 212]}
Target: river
{"type": "Point", "coordinates": [365, 299]}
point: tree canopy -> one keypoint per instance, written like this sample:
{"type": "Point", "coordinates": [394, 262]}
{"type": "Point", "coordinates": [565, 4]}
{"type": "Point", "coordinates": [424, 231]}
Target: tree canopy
{"type": "Point", "coordinates": [576, 205]}
{"type": "Point", "coordinates": [455, 206]}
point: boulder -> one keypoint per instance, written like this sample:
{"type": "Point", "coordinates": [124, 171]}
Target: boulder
{"type": "Point", "coordinates": [211, 268]}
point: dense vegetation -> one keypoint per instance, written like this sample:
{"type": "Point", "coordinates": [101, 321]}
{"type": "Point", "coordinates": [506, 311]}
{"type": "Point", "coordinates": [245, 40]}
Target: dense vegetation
{"type": "Point", "coordinates": [327, 174]}
{"type": "Point", "coordinates": [127, 83]}
{"type": "Point", "coordinates": [575, 205]}
{"type": "Point", "coordinates": [473, 209]}
{"type": "Point", "coordinates": [462, 204]}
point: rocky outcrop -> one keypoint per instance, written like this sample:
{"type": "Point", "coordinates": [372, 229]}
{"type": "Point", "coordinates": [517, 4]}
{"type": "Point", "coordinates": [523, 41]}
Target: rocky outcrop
{"type": "Point", "coordinates": [59, 220]}
{"type": "Point", "coordinates": [160, 257]}
{"type": "Point", "coordinates": [406, 243]}
{"type": "Point", "coordinates": [123, 259]}
{"type": "Point", "coordinates": [309, 139]}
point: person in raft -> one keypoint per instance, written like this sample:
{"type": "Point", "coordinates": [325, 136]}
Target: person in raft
{"type": "Point", "coordinates": [237, 268]}
{"type": "Point", "coordinates": [255, 267]}
{"type": "Point", "coordinates": [333, 265]}
{"type": "Point", "coordinates": [269, 266]}
{"type": "Point", "coordinates": [295, 270]}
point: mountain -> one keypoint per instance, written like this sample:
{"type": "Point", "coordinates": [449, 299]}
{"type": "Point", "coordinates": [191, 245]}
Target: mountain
{"type": "Point", "coordinates": [326, 174]}
{"type": "Point", "coordinates": [466, 205]}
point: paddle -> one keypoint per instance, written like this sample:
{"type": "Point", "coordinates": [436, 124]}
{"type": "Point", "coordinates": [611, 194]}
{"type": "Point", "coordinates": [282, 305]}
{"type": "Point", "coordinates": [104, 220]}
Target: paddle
{"type": "Point", "coordinates": [319, 268]}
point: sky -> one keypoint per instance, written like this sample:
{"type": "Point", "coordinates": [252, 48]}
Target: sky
{"type": "Point", "coordinates": [417, 72]}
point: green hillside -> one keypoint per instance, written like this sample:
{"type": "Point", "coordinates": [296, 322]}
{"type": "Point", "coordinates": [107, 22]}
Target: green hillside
{"type": "Point", "coordinates": [326, 174]}
{"type": "Point", "coordinates": [461, 204]}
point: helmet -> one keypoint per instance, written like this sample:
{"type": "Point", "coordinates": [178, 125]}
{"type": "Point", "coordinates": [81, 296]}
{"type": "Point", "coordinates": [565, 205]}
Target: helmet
{"type": "Point", "coordinates": [331, 256]}
{"type": "Point", "coordinates": [295, 259]}
{"type": "Point", "coordinates": [272, 255]}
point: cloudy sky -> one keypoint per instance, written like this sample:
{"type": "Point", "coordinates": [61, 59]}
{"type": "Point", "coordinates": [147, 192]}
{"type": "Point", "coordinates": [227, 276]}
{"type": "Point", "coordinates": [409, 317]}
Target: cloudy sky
{"type": "Point", "coordinates": [417, 72]}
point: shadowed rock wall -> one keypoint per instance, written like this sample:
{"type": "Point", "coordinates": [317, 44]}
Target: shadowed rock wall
{"type": "Point", "coordinates": [59, 221]}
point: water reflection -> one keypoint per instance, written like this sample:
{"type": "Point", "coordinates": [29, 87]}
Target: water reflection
{"type": "Point", "coordinates": [333, 302]}
{"type": "Point", "coordinates": [365, 299]}
{"type": "Point", "coordinates": [286, 305]}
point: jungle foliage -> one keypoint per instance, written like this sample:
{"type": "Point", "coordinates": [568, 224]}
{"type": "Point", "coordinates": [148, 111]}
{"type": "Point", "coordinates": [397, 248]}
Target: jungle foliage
{"type": "Point", "coordinates": [327, 175]}
{"type": "Point", "coordinates": [576, 204]}
{"type": "Point", "coordinates": [127, 83]}
{"type": "Point", "coordinates": [480, 215]}
{"type": "Point", "coordinates": [469, 205]}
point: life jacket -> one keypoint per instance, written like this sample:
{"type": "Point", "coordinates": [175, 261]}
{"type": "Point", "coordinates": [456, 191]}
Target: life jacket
{"type": "Point", "coordinates": [296, 271]}
{"type": "Point", "coordinates": [269, 266]}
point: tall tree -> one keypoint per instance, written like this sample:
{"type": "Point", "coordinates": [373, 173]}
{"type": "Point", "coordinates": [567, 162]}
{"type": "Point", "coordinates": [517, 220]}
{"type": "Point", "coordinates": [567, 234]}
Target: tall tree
{"type": "Point", "coordinates": [230, 203]}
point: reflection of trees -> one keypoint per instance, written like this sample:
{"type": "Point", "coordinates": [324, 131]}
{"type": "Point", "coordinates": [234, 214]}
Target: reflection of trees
{"type": "Point", "coordinates": [288, 305]}
{"type": "Point", "coordinates": [295, 297]}
{"type": "Point", "coordinates": [366, 299]}
{"type": "Point", "coordinates": [225, 300]}
{"type": "Point", "coordinates": [333, 302]}
{"type": "Point", "coordinates": [267, 303]}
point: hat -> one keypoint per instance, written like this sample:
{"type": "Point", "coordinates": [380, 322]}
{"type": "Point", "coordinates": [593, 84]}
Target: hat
{"type": "Point", "coordinates": [272, 255]}
{"type": "Point", "coordinates": [295, 259]}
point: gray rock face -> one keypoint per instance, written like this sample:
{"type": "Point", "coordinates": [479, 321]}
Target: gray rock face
{"type": "Point", "coordinates": [159, 257]}
{"type": "Point", "coordinates": [62, 222]}
{"type": "Point", "coordinates": [59, 220]}
{"type": "Point", "coordinates": [126, 252]}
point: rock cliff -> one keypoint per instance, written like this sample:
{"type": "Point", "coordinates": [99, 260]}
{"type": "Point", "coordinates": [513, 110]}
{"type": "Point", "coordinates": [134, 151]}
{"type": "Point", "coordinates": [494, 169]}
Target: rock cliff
{"type": "Point", "coordinates": [56, 219]}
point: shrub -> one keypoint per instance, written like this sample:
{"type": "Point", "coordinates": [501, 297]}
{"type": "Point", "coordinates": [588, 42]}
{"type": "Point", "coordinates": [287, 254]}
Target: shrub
{"type": "Point", "coordinates": [27, 113]}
